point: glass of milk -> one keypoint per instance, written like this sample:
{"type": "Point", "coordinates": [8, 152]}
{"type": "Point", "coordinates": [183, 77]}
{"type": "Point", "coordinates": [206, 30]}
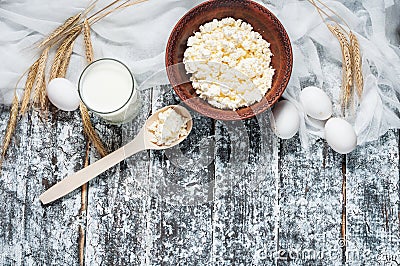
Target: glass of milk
{"type": "Point", "coordinates": [107, 87]}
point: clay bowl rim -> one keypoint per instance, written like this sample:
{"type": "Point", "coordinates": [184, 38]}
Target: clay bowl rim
{"type": "Point", "coordinates": [203, 107]}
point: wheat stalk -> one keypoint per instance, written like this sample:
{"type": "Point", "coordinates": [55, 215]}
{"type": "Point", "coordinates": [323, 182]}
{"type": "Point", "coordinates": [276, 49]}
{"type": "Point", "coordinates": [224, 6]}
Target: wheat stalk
{"type": "Point", "coordinates": [104, 8]}
{"type": "Point", "coordinates": [69, 23]}
{"type": "Point", "coordinates": [321, 11]}
{"type": "Point", "coordinates": [88, 41]}
{"type": "Point", "coordinates": [90, 131]}
{"type": "Point", "coordinates": [347, 82]}
{"type": "Point", "coordinates": [40, 86]}
{"type": "Point", "coordinates": [357, 64]}
{"type": "Point", "coordinates": [30, 81]}
{"type": "Point", "coordinates": [93, 19]}
{"type": "Point", "coordinates": [60, 30]}
{"type": "Point", "coordinates": [87, 125]}
{"type": "Point", "coordinates": [12, 122]}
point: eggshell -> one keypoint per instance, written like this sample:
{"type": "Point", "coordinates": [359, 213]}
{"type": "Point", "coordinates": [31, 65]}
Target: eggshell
{"type": "Point", "coordinates": [63, 94]}
{"type": "Point", "coordinates": [316, 103]}
{"type": "Point", "coordinates": [340, 135]}
{"type": "Point", "coordinates": [285, 120]}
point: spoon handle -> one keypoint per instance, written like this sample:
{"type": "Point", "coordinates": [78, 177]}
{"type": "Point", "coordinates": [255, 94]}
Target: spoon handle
{"type": "Point", "coordinates": [86, 174]}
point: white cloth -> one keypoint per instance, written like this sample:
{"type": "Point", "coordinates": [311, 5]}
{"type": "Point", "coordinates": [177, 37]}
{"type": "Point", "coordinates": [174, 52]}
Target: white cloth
{"type": "Point", "coordinates": [138, 36]}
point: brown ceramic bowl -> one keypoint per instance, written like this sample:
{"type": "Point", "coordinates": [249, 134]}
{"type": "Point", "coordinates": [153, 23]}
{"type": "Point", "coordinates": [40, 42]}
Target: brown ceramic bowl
{"type": "Point", "coordinates": [262, 20]}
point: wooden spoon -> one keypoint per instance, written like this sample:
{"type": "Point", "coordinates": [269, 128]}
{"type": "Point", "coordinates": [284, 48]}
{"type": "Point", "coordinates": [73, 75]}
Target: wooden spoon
{"type": "Point", "coordinates": [140, 143]}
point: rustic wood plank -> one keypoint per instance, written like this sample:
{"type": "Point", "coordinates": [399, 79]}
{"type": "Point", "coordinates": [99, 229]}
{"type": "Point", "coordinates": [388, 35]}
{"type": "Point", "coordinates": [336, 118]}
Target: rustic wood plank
{"type": "Point", "coordinates": [45, 152]}
{"type": "Point", "coordinates": [310, 204]}
{"type": "Point", "coordinates": [245, 199]}
{"type": "Point", "coordinates": [13, 194]}
{"type": "Point", "coordinates": [373, 201]}
{"type": "Point", "coordinates": [179, 218]}
{"type": "Point", "coordinates": [117, 204]}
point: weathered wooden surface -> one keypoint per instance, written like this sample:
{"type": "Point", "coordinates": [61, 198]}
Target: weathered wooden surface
{"type": "Point", "coordinates": [33, 234]}
{"type": "Point", "coordinates": [245, 201]}
{"type": "Point", "coordinates": [234, 195]}
{"type": "Point", "coordinates": [180, 216]}
{"type": "Point", "coordinates": [373, 201]}
{"type": "Point", "coordinates": [310, 204]}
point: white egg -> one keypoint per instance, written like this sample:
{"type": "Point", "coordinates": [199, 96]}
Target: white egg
{"type": "Point", "coordinates": [285, 120]}
{"type": "Point", "coordinates": [340, 135]}
{"type": "Point", "coordinates": [63, 94]}
{"type": "Point", "coordinates": [316, 103]}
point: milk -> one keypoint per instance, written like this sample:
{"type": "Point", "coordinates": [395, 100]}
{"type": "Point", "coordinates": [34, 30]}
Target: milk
{"type": "Point", "coordinates": [108, 88]}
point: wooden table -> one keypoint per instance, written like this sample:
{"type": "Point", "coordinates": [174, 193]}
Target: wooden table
{"type": "Point", "coordinates": [248, 199]}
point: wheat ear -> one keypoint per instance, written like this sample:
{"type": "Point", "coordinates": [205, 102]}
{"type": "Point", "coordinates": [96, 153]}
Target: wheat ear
{"type": "Point", "coordinates": [62, 51]}
{"type": "Point", "coordinates": [40, 86]}
{"type": "Point", "coordinates": [357, 64]}
{"type": "Point", "coordinates": [62, 71]}
{"type": "Point", "coordinates": [30, 81]}
{"type": "Point", "coordinates": [60, 30]}
{"type": "Point", "coordinates": [87, 124]}
{"type": "Point", "coordinates": [347, 83]}
{"type": "Point", "coordinates": [88, 41]}
{"type": "Point", "coordinates": [43, 94]}
{"type": "Point", "coordinates": [12, 122]}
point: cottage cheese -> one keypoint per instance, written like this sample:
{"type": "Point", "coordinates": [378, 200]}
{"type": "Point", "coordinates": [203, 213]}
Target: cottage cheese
{"type": "Point", "coordinates": [230, 63]}
{"type": "Point", "coordinates": [169, 127]}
